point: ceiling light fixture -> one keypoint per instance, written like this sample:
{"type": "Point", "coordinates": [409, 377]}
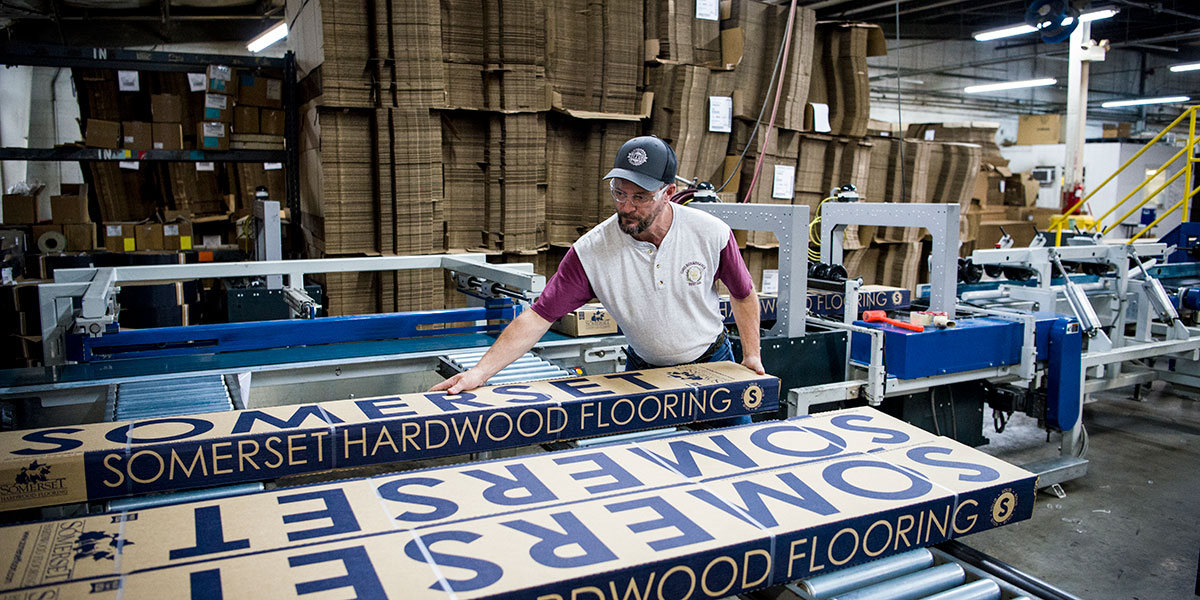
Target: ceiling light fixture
{"type": "Point", "coordinates": [1187, 67]}
{"type": "Point", "coordinates": [1143, 101]}
{"type": "Point", "coordinates": [1013, 30]}
{"type": "Point", "coordinates": [264, 40]}
{"type": "Point", "coordinates": [1008, 85]}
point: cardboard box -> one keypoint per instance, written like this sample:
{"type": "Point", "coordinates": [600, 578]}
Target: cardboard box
{"type": "Point", "coordinates": [19, 210]}
{"type": "Point", "coordinates": [102, 134]}
{"type": "Point", "coordinates": [167, 136]}
{"type": "Point", "coordinates": [177, 235]}
{"type": "Point", "coordinates": [270, 122]}
{"type": "Point", "coordinates": [322, 437]}
{"type": "Point", "coordinates": [166, 108]}
{"type": "Point", "coordinates": [1039, 129]}
{"type": "Point", "coordinates": [218, 107]}
{"type": "Point", "coordinates": [853, 487]}
{"type": "Point", "coordinates": [245, 119]}
{"type": "Point", "coordinates": [148, 236]}
{"type": "Point", "coordinates": [212, 136]}
{"type": "Point", "coordinates": [137, 135]}
{"type": "Point", "coordinates": [69, 209]}
{"type": "Point", "coordinates": [1117, 130]}
{"type": "Point", "coordinates": [1021, 189]}
{"type": "Point", "coordinates": [589, 319]}
{"type": "Point", "coordinates": [260, 91]}
{"type": "Point", "coordinates": [80, 236]}
{"type": "Point", "coordinates": [120, 237]}
{"type": "Point", "coordinates": [221, 79]}
{"type": "Point", "coordinates": [52, 243]}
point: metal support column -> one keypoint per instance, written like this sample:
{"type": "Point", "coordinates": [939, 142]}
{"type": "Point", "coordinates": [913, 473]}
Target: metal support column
{"type": "Point", "coordinates": [1077, 93]}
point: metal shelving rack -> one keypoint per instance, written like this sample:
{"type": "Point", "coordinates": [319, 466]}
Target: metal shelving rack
{"type": "Point", "coordinates": [19, 54]}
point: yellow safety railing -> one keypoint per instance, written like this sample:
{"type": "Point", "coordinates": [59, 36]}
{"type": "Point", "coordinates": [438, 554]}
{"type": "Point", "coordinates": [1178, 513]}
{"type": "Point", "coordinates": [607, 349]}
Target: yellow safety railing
{"type": "Point", "coordinates": [1060, 222]}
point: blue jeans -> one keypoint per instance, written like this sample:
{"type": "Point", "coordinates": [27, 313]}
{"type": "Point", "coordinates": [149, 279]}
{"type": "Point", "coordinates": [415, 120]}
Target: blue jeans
{"type": "Point", "coordinates": [633, 362]}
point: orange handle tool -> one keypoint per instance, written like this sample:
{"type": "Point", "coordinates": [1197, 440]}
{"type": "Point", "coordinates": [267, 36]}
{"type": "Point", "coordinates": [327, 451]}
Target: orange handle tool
{"type": "Point", "coordinates": [878, 316]}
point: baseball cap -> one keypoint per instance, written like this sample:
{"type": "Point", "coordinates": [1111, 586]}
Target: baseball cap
{"type": "Point", "coordinates": [647, 161]}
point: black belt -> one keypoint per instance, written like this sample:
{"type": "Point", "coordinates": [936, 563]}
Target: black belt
{"type": "Point", "coordinates": [712, 349]}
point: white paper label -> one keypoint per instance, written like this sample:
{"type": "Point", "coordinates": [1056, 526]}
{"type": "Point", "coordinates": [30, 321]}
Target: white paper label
{"type": "Point", "coordinates": [6, 276]}
{"type": "Point", "coordinates": [129, 139]}
{"type": "Point", "coordinates": [214, 130]}
{"type": "Point", "coordinates": [158, 145]}
{"type": "Point", "coordinates": [272, 166]}
{"type": "Point", "coordinates": [274, 89]}
{"type": "Point", "coordinates": [131, 165]}
{"type": "Point", "coordinates": [820, 117]}
{"type": "Point", "coordinates": [720, 114]}
{"type": "Point", "coordinates": [196, 81]}
{"type": "Point", "coordinates": [709, 10]}
{"type": "Point", "coordinates": [205, 166]}
{"type": "Point", "coordinates": [211, 241]}
{"type": "Point", "coordinates": [221, 72]}
{"type": "Point", "coordinates": [929, 135]}
{"type": "Point", "coordinates": [112, 231]}
{"type": "Point", "coordinates": [770, 281]}
{"type": "Point", "coordinates": [216, 101]}
{"type": "Point", "coordinates": [171, 230]}
{"type": "Point", "coordinates": [785, 182]}
{"type": "Point", "coordinates": [127, 81]}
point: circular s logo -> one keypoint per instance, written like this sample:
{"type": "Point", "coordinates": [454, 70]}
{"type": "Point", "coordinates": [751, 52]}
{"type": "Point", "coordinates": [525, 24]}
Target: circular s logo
{"type": "Point", "coordinates": [1004, 507]}
{"type": "Point", "coordinates": [752, 397]}
{"type": "Point", "coordinates": [637, 157]}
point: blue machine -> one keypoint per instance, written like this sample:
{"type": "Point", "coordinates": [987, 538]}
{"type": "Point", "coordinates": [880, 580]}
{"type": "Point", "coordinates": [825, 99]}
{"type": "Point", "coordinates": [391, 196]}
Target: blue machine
{"type": "Point", "coordinates": [1186, 239]}
{"type": "Point", "coordinates": [972, 344]}
{"type": "Point", "coordinates": [1064, 349]}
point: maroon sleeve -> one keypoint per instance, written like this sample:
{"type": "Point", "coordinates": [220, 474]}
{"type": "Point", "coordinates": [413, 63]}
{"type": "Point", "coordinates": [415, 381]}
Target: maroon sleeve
{"type": "Point", "coordinates": [567, 290]}
{"type": "Point", "coordinates": [733, 272]}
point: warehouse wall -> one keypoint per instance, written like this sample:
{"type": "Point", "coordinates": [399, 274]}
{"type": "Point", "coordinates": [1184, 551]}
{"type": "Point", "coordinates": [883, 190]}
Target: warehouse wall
{"type": "Point", "coordinates": [15, 92]}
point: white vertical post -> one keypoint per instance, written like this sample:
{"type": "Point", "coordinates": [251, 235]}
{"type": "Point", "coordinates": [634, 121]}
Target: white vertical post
{"type": "Point", "coordinates": [1077, 95]}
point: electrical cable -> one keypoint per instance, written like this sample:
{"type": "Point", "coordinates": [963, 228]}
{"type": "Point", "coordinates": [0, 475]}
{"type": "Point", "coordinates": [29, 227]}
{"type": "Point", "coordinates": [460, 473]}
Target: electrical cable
{"type": "Point", "coordinates": [787, 44]}
{"type": "Point", "coordinates": [757, 121]}
{"type": "Point", "coordinates": [937, 429]}
{"type": "Point", "coordinates": [814, 238]}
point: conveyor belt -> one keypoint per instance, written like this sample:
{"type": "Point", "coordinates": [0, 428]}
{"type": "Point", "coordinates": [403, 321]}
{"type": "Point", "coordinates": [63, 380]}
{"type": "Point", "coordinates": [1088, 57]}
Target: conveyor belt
{"type": "Point", "coordinates": [168, 398]}
{"type": "Point", "coordinates": [950, 571]}
{"type": "Point", "coordinates": [530, 367]}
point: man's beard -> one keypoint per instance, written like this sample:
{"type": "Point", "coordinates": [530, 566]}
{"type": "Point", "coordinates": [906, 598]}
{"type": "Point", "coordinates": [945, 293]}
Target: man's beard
{"type": "Point", "coordinates": [642, 224]}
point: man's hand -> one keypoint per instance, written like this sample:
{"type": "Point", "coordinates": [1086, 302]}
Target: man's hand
{"type": "Point", "coordinates": [754, 363]}
{"type": "Point", "coordinates": [461, 382]}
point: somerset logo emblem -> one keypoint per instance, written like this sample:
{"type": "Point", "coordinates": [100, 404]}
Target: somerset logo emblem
{"type": "Point", "coordinates": [34, 473]}
{"type": "Point", "coordinates": [637, 157]}
{"type": "Point", "coordinates": [99, 545]}
{"type": "Point", "coordinates": [684, 375]}
{"type": "Point", "coordinates": [752, 398]}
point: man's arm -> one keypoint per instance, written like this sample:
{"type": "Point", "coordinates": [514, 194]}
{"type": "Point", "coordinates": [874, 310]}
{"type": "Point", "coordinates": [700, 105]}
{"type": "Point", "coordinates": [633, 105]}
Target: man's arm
{"type": "Point", "coordinates": [516, 339]}
{"type": "Point", "coordinates": [747, 316]}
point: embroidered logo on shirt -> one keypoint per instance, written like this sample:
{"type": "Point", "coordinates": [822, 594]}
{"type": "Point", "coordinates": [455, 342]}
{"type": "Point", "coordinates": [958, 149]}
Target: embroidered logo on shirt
{"type": "Point", "coordinates": [693, 273]}
{"type": "Point", "coordinates": [637, 157]}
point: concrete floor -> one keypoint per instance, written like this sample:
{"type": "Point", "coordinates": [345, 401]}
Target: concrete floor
{"type": "Point", "coordinates": [1131, 527]}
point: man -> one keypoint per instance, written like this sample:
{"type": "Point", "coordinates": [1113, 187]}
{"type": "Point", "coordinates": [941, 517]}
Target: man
{"type": "Point", "coordinates": [654, 266]}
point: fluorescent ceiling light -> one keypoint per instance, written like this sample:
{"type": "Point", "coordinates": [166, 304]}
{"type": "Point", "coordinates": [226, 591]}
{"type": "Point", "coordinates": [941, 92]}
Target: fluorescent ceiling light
{"type": "Point", "coordinates": [270, 36]}
{"type": "Point", "coordinates": [1008, 85]}
{"type": "Point", "coordinates": [1143, 101]}
{"type": "Point", "coordinates": [1187, 67]}
{"type": "Point", "coordinates": [1013, 30]}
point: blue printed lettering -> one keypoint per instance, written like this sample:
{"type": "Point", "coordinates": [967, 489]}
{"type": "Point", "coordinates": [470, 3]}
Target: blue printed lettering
{"type": "Point", "coordinates": [590, 550]}
{"type": "Point", "coordinates": [575, 387]}
{"type": "Point", "coordinates": [500, 492]}
{"type": "Point", "coordinates": [45, 436]}
{"type": "Point", "coordinates": [892, 436]}
{"type": "Point", "coordinates": [835, 475]}
{"type": "Point", "coordinates": [622, 479]}
{"type": "Point", "coordinates": [669, 517]}
{"type": "Point", "coordinates": [685, 455]}
{"type": "Point", "coordinates": [206, 585]}
{"type": "Point", "coordinates": [210, 537]}
{"type": "Point", "coordinates": [982, 473]}
{"type": "Point", "coordinates": [486, 573]}
{"type": "Point", "coordinates": [522, 393]}
{"type": "Point", "coordinates": [121, 435]}
{"type": "Point", "coordinates": [337, 510]}
{"type": "Point", "coordinates": [247, 418]}
{"type": "Point", "coordinates": [634, 377]}
{"type": "Point", "coordinates": [360, 574]}
{"type": "Point", "coordinates": [451, 403]}
{"type": "Point", "coordinates": [761, 438]}
{"type": "Point", "coordinates": [439, 508]}
{"type": "Point", "coordinates": [752, 494]}
{"type": "Point", "coordinates": [374, 408]}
